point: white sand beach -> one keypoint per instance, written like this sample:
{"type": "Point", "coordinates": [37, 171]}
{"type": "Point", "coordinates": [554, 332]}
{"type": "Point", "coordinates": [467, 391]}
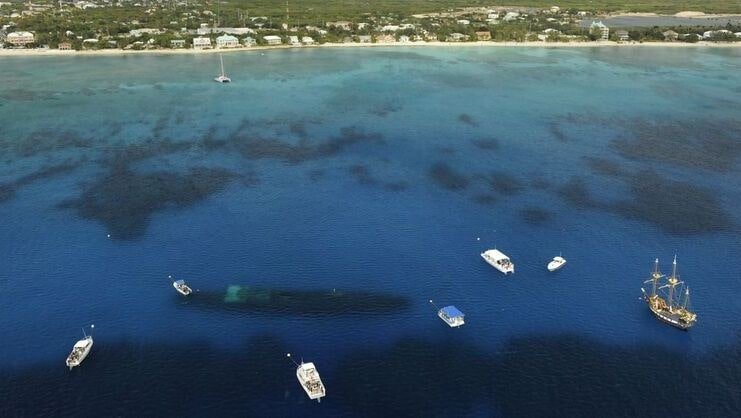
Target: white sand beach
{"type": "Point", "coordinates": [480, 44]}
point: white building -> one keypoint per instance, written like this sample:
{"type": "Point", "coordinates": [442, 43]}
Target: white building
{"type": "Point", "coordinates": [19, 38]}
{"type": "Point", "coordinates": [177, 43]}
{"type": "Point", "coordinates": [293, 40]}
{"type": "Point", "coordinates": [510, 16]}
{"type": "Point", "coordinates": [249, 41]}
{"type": "Point", "coordinates": [201, 42]}
{"type": "Point", "coordinates": [463, 22]}
{"type": "Point", "coordinates": [308, 40]}
{"type": "Point", "coordinates": [272, 39]}
{"type": "Point", "coordinates": [227, 41]}
{"type": "Point", "coordinates": [600, 28]}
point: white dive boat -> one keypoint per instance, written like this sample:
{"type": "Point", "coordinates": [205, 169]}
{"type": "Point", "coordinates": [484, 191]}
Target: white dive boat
{"type": "Point", "coordinates": [80, 350]}
{"type": "Point", "coordinates": [181, 287]}
{"type": "Point", "coordinates": [222, 78]}
{"type": "Point", "coordinates": [309, 379]}
{"type": "Point", "coordinates": [498, 260]}
{"type": "Point", "coordinates": [556, 263]}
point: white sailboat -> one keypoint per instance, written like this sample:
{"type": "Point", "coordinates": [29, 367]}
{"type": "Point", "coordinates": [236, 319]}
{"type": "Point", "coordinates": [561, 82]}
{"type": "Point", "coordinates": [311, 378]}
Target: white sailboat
{"type": "Point", "coordinates": [309, 379]}
{"type": "Point", "coordinates": [81, 349]}
{"type": "Point", "coordinates": [556, 263]}
{"type": "Point", "coordinates": [222, 78]}
{"type": "Point", "coordinates": [498, 260]}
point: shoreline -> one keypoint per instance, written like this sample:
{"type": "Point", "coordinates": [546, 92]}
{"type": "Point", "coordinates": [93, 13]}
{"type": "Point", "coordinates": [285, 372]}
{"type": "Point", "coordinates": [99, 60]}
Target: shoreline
{"type": "Point", "coordinates": [485, 44]}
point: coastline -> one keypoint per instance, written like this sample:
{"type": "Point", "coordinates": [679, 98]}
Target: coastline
{"type": "Point", "coordinates": [538, 44]}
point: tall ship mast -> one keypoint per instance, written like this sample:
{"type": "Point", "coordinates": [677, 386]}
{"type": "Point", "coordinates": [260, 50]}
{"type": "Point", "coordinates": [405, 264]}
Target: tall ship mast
{"type": "Point", "coordinates": [672, 308]}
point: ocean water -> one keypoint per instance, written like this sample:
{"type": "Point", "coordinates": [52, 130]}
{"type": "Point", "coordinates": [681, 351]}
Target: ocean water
{"type": "Point", "coordinates": [354, 185]}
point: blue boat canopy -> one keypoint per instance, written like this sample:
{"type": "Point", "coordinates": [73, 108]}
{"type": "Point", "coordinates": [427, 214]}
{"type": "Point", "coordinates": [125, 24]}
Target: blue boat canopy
{"type": "Point", "coordinates": [179, 282]}
{"type": "Point", "coordinates": [452, 312]}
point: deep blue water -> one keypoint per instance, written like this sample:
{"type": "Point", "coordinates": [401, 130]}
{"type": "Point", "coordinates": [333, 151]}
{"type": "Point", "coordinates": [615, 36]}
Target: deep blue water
{"type": "Point", "coordinates": [378, 175]}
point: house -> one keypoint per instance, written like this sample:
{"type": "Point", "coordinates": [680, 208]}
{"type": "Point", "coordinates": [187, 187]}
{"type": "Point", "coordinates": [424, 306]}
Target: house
{"type": "Point", "coordinates": [19, 38]}
{"type": "Point", "coordinates": [227, 41]}
{"type": "Point", "coordinates": [390, 28]}
{"type": "Point", "coordinates": [201, 42]}
{"type": "Point", "coordinates": [456, 37]}
{"type": "Point", "coordinates": [249, 41]}
{"type": "Point", "coordinates": [510, 16]}
{"type": "Point", "coordinates": [483, 36]}
{"type": "Point", "coordinates": [307, 40]}
{"type": "Point", "coordinates": [341, 24]}
{"type": "Point", "coordinates": [65, 46]}
{"type": "Point", "coordinates": [365, 39]}
{"type": "Point", "coordinates": [463, 22]}
{"type": "Point", "coordinates": [177, 43]}
{"type": "Point", "coordinates": [555, 9]}
{"type": "Point", "coordinates": [272, 39]}
{"type": "Point", "coordinates": [385, 39]}
{"type": "Point", "coordinates": [404, 38]}
{"type": "Point", "coordinates": [600, 29]}
{"type": "Point", "coordinates": [622, 35]}
{"type": "Point", "coordinates": [293, 40]}
{"type": "Point", "coordinates": [670, 36]}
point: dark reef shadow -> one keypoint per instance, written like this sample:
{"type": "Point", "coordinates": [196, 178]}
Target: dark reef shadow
{"type": "Point", "coordinates": [536, 216]}
{"type": "Point", "coordinates": [124, 201]}
{"type": "Point", "coordinates": [467, 119]}
{"type": "Point", "coordinates": [503, 183]}
{"type": "Point", "coordinates": [489, 144]}
{"type": "Point", "coordinates": [446, 177]}
{"type": "Point", "coordinates": [710, 146]}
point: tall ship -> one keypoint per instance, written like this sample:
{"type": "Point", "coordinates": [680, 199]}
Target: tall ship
{"type": "Point", "coordinates": [80, 350]}
{"type": "Point", "coordinates": [674, 309]}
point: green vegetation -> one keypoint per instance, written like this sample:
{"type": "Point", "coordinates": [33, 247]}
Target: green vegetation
{"type": "Point", "coordinates": [322, 10]}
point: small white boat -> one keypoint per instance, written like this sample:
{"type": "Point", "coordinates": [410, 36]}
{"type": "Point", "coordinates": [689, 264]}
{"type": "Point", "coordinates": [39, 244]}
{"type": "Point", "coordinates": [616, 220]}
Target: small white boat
{"type": "Point", "coordinates": [452, 316]}
{"type": "Point", "coordinates": [181, 287]}
{"type": "Point", "coordinates": [498, 260]}
{"type": "Point", "coordinates": [556, 263]}
{"type": "Point", "coordinates": [80, 350]}
{"type": "Point", "coordinates": [222, 78]}
{"type": "Point", "coordinates": [309, 379]}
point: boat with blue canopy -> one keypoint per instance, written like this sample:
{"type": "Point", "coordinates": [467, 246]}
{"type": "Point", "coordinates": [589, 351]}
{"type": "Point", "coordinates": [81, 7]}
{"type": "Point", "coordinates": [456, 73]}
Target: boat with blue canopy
{"type": "Point", "coordinates": [451, 315]}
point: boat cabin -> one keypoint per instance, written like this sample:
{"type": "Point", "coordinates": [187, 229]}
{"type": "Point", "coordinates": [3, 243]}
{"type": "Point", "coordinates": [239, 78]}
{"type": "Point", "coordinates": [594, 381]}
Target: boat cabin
{"type": "Point", "coordinates": [452, 316]}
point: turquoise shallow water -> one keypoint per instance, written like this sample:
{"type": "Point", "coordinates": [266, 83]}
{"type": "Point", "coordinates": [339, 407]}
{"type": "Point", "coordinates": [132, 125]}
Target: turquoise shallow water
{"type": "Point", "coordinates": [361, 184]}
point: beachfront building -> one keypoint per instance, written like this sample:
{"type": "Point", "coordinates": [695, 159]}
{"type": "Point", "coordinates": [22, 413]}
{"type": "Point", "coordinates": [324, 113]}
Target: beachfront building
{"type": "Point", "coordinates": [341, 24]}
{"type": "Point", "coordinates": [177, 43]}
{"type": "Point", "coordinates": [308, 40]}
{"type": "Point", "coordinates": [622, 35]}
{"type": "Point", "coordinates": [249, 41]}
{"type": "Point", "coordinates": [272, 39]}
{"type": "Point", "coordinates": [404, 39]}
{"type": "Point", "coordinates": [365, 39]}
{"type": "Point", "coordinates": [483, 36]}
{"type": "Point", "coordinates": [293, 40]}
{"type": "Point", "coordinates": [19, 38]}
{"type": "Point", "coordinates": [65, 46]}
{"type": "Point", "coordinates": [670, 36]}
{"type": "Point", "coordinates": [600, 30]}
{"type": "Point", "coordinates": [201, 42]}
{"type": "Point", "coordinates": [385, 39]}
{"type": "Point", "coordinates": [227, 41]}
{"type": "Point", "coordinates": [456, 37]}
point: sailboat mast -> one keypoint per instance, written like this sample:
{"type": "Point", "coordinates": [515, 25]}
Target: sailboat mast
{"type": "Point", "coordinates": [672, 282]}
{"type": "Point", "coordinates": [221, 58]}
{"type": "Point", "coordinates": [655, 277]}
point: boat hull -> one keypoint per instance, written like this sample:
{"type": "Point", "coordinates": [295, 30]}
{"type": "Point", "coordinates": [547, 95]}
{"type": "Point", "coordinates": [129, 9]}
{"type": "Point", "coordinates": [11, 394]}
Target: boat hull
{"type": "Point", "coordinates": [494, 264]}
{"type": "Point", "coordinates": [672, 320]}
{"type": "Point", "coordinates": [82, 355]}
{"type": "Point", "coordinates": [183, 290]}
{"type": "Point", "coordinates": [452, 322]}
{"type": "Point", "coordinates": [555, 265]}
{"type": "Point", "coordinates": [307, 384]}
